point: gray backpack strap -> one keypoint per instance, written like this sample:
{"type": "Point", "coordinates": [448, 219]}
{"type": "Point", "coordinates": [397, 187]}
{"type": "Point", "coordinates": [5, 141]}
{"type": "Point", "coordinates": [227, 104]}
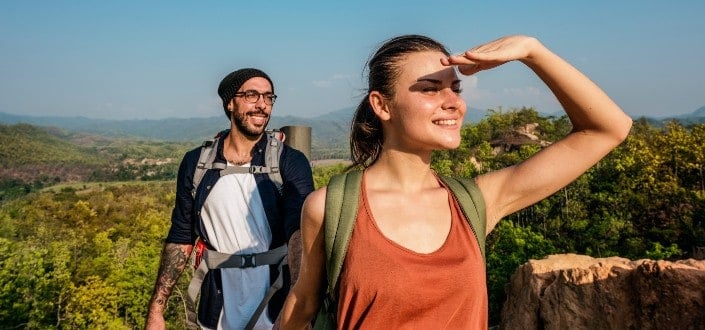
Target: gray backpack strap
{"type": "Point", "coordinates": [272, 154]}
{"type": "Point", "coordinates": [276, 286]}
{"type": "Point", "coordinates": [194, 288]}
{"type": "Point", "coordinates": [216, 260]}
{"type": "Point", "coordinates": [468, 195]}
{"type": "Point", "coordinates": [209, 149]}
{"type": "Point", "coordinates": [238, 170]}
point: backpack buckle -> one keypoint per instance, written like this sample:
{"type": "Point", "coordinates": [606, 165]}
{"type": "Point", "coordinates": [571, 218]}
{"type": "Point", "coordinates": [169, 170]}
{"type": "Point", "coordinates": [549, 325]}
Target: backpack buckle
{"type": "Point", "coordinates": [248, 260]}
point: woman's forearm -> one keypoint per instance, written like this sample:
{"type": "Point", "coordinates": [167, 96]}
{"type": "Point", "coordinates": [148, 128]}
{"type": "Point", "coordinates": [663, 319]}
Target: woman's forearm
{"type": "Point", "coordinates": [587, 105]}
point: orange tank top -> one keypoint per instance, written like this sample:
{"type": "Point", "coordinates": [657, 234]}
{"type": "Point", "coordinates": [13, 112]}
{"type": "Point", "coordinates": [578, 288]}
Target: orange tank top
{"type": "Point", "coordinates": [384, 285]}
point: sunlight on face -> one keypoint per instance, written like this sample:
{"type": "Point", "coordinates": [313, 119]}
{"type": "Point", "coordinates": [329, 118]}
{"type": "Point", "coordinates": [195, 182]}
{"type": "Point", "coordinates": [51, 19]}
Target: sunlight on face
{"type": "Point", "coordinates": [427, 110]}
{"type": "Point", "coordinates": [252, 118]}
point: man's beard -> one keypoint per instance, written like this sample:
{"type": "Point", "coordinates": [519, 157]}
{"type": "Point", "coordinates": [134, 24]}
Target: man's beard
{"type": "Point", "coordinates": [239, 120]}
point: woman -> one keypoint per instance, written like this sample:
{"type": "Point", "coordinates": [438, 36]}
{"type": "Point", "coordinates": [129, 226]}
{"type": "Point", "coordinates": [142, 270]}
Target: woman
{"type": "Point", "coordinates": [406, 216]}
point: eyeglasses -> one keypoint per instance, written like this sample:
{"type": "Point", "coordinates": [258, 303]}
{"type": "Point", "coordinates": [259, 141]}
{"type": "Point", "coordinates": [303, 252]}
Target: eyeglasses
{"type": "Point", "coordinates": [253, 96]}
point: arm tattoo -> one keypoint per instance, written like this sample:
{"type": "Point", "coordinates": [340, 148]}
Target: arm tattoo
{"type": "Point", "coordinates": [173, 261]}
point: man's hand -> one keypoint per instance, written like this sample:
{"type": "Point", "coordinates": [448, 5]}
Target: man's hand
{"type": "Point", "coordinates": [155, 321]}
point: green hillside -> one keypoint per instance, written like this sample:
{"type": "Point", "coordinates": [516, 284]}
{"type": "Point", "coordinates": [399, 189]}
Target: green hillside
{"type": "Point", "coordinates": [24, 144]}
{"type": "Point", "coordinates": [33, 157]}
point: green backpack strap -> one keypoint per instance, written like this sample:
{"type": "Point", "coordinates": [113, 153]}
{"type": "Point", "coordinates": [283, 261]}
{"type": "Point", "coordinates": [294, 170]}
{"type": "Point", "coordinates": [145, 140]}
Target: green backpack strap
{"type": "Point", "coordinates": [468, 195]}
{"type": "Point", "coordinates": [342, 196]}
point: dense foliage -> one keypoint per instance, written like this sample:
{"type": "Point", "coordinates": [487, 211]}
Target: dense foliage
{"type": "Point", "coordinates": [86, 255]}
{"type": "Point", "coordinates": [646, 199]}
{"type": "Point", "coordinates": [82, 258]}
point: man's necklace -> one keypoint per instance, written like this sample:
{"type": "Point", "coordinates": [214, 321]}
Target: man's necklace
{"type": "Point", "coordinates": [238, 160]}
{"type": "Point", "coordinates": [233, 157]}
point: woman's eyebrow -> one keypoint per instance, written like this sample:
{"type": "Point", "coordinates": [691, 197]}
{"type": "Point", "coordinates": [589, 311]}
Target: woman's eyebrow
{"type": "Point", "coordinates": [437, 81]}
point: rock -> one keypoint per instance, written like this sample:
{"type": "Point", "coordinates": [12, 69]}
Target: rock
{"type": "Point", "coordinates": [513, 139]}
{"type": "Point", "coordinates": [571, 291]}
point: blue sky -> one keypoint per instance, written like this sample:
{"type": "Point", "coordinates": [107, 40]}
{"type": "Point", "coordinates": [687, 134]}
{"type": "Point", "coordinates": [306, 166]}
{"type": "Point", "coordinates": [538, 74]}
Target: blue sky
{"type": "Point", "coordinates": [159, 59]}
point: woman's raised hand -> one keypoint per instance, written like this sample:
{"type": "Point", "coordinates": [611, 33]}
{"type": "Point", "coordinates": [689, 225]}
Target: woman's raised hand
{"type": "Point", "coordinates": [493, 54]}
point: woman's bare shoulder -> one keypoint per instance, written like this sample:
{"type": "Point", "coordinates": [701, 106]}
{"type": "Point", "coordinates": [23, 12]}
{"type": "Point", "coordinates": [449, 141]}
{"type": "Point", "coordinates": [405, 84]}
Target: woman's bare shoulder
{"type": "Point", "coordinates": [314, 207]}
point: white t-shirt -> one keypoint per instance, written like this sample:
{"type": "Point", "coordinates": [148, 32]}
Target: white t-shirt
{"type": "Point", "coordinates": [235, 222]}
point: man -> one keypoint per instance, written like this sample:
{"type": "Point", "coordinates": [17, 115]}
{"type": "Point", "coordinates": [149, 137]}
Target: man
{"type": "Point", "coordinates": [238, 214]}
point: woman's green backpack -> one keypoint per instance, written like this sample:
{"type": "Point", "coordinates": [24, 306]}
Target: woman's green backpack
{"type": "Point", "coordinates": [342, 196]}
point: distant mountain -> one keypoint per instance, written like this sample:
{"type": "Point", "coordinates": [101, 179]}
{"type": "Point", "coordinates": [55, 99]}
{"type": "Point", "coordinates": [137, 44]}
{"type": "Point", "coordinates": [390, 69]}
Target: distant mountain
{"type": "Point", "coordinates": [700, 112]}
{"type": "Point", "coordinates": [693, 118]}
{"type": "Point", "coordinates": [170, 129]}
{"type": "Point", "coordinates": [193, 129]}
{"type": "Point", "coordinates": [329, 131]}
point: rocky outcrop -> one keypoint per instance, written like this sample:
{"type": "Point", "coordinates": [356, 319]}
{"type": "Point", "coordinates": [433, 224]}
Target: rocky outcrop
{"type": "Point", "coordinates": [512, 140]}
{"type": "Point", "coordinates": [572, 291]}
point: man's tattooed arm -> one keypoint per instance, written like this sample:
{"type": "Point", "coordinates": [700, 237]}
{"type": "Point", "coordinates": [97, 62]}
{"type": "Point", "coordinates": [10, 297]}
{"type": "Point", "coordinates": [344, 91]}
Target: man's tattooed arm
{"type": "Point", "coordinates": [173, 261]}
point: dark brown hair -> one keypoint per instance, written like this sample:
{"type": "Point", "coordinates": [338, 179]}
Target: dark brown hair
{"type": "Point", "coordinates": [366, 136]}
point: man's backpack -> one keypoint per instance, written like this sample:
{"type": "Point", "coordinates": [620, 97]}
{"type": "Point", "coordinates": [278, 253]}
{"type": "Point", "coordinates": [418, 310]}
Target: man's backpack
{"type": "Point", "coordinates": [341, 209]}
{"type": "Point", "coordinates": [272, 153]}
{"type": "Point", "coordinates": [216, 260]}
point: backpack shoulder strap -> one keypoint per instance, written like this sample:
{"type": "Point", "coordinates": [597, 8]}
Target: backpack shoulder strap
{"type": "Point", "coordinates": [209, 149]}
{"type": "Point", "coordinates": [468, 195]}
{"type": "Point", "coordinates": [273, 152]}
{"type": "Point", "coordinates": [342, 196]}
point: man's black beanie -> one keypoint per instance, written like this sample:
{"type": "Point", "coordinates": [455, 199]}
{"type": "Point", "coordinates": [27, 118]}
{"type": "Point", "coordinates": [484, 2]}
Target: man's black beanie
{"type": "Point", "coordinates": [232, 82]}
